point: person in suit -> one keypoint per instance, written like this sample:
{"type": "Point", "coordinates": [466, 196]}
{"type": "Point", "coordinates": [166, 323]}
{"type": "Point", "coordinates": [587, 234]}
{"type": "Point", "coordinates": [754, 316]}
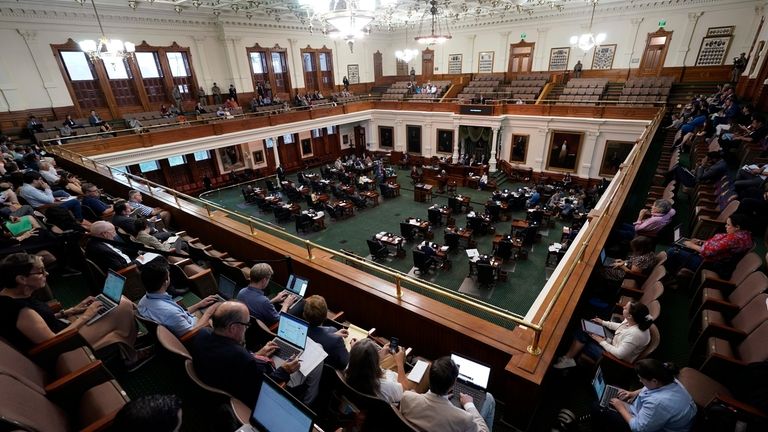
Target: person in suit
{"type": "Point", "coordinates": [332, 340]}
{"type": "Point", "coordinates": [222, 361]}
{"type": "Point", "coordinates": [280, 171]}
{"type": "Point", "coordinates": [95, 120]}
{"type": "Point", "coordinates": [434, 410]}
{"type": "Point", "coordinates": [216, 91]}
{"type": "Point", "coordinates": [106, 255]}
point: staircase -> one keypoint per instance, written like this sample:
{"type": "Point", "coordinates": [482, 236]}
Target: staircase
{"type": "Point", "coordinates": [682, 93]}
{"type": "Point", "coordinates": [500, 177]}
{"type": "Point", "coordinates": [613, 91]}
{"type": "Point", "coordinates": [554, 92]}
{"type": "Point", "coordinates": [377, 91]}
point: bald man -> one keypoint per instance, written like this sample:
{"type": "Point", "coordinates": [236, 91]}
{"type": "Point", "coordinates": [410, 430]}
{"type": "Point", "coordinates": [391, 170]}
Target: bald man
{"type": "Point", "coordinates": [105, 255]}
{"type": "Point", "coordinates": [222, 361]}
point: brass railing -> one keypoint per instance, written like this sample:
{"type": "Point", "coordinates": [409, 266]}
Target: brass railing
{"type": "Point", "coordinates": [623, 177]}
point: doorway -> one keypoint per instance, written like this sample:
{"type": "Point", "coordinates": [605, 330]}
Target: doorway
{"type": "Point", "coordinates": [520, 57]}
{"type": "Point", "coordinates": [655, 53]}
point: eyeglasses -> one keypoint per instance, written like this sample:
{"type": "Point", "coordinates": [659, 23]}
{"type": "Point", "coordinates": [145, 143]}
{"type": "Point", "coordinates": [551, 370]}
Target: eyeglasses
{"type": "Point", "coordinates": [245, 324]}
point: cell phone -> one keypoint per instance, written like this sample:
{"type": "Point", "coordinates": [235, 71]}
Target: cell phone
{"type": "Point", "coordinates": [393, 345]}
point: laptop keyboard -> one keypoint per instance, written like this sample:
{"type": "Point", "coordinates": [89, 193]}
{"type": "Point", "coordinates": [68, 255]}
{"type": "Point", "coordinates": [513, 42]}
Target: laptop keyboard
{"type": "Point", "coordinates": [285, 350]}
{"type": "Point", "coordinates": [478, 396]}
{"type": "Point", "coordinates": [610, 393]}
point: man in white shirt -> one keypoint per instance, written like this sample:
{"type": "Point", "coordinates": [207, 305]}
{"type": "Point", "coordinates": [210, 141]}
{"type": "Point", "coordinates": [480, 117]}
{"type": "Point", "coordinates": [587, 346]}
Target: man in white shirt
{"type": "Point", "coordinates": [37, 193]}
{"type": "Point", "coordinates": [434, 410]}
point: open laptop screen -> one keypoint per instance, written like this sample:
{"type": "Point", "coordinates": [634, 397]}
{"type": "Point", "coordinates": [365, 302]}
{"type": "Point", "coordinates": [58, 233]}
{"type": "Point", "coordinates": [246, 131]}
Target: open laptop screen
{"type": "Point", "coordinates": [599, 383]}
{"type": "Point", "coordinates": [677, 233]}
{"type": "Point", "coordinates": [277, 411]}
{"type": "Point", "coordinates": [297, 285]}
{"type": "Point", "coordinates": [471, 371]}
{"type": "Point", "coordinates": [602, 256]}
{"type": "Point", "coordinates": [226, 287]}
{"type": "Point", "coordinates": [113, 286]}
{"type": "Point", "coordinates": [293, 330]}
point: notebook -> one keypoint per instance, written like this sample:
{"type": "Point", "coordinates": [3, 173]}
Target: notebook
{"type": "Point", "coordinates": [110, 295]}
{"type": "Point", "coordinates": [355, 333]}
{"type": "Point", "coordinates": [291, 338]}
{"type": "Point", "coordinates": [603, 391]}
{"type": "Point", "coordinates": [472, 380]}
{"type": "Point", "coordinates": [277, 410]}
{"type": "Point", "coordinates": [20, 227]}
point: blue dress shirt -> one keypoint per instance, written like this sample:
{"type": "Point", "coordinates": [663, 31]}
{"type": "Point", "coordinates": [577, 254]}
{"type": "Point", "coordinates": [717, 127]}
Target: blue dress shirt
{"type": "Point", "coordinates": [668, 408]}
{"type": "Point", "coordinates": [259, 305]}
{"type": "Point", "coordinates": [160, 307]}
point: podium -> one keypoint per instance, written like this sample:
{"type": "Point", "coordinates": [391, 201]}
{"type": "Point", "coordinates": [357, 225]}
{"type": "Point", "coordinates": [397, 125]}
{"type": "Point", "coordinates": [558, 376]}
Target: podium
{"type": "Point", "coordinates": [422, 192]}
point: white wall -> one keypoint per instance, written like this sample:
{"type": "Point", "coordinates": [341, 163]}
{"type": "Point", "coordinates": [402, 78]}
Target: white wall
{"type": "Point", "coordinates": [30, 77]}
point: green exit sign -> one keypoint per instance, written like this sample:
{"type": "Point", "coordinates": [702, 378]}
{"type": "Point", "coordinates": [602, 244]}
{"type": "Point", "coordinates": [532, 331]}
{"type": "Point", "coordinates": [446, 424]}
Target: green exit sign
{"type": "Point", "coordinates": [523, 35]}
{"type": "Point", "coordinates": [662, 23]}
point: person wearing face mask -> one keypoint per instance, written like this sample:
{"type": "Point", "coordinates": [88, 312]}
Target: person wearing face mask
{"type": "Point", "coordinates": [26, 322]}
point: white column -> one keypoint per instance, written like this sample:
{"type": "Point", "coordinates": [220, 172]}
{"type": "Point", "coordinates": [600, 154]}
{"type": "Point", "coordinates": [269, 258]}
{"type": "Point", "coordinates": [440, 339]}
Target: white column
{"type": "Point", "coordinates": [690, 28]}
{"type": "Point", "coordinates": [539, 59]}
{"type": "Point", "coordinates": [492, 160]}
{"type": "Point", "coordinates": [206, 81]}
{"type": "Point", "coordinates": [277, 153]}
{"type": "Point", "coordinates": [588, 147]}
{"type": "Point", "coordinates": [297, 79]}
{"type": "Point", "coordinates": [504, 50]}
{"type": "Point", "coordinates": [543, 137]}
{"type": "Point", "coordinates": [473, 57]}
{"type": "Point", "coordinates": [427, 145]}
{"type": "Point", "coordinates": [400, 137]}
{"type": "Point", "coordinates": [455, 156]}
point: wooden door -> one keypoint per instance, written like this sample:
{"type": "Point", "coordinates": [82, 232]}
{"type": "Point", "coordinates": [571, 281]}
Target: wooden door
{"type": "Point", "coordinates": [520, 57]}
{"type": "Point", "coordinates": [359, 140]}
{"type": "Point", "coordinates": [378, 67]}
{"type": "Point", "coordinates": [427, 64]}
{"type": "Point", "coordinates": [655, 53]}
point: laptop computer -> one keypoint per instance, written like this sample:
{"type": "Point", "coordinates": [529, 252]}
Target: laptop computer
{"type": "Point", "coordinates": [604, 392]}
{"type": "Point", "coordinates": [227, 289]}
{"type": "Point", "coordinates": [606, 260]}
{"type": "Point", "coordinates": [297, 285]}
{"type": "Point", "coordinates": [277, 410]}
{"type": "Point", "coordinates": [679, 239]}
{"type": "Point", "coordinates": [472, 380]}
{"type": "Point", "coordinates": [291, 338]}
{"type": "Point", "coordinates": [110, 295]}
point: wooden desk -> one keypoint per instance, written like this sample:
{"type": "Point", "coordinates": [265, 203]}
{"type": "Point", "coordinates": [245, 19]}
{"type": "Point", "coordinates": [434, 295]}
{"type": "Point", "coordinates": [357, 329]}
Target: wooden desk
{"type": "Point", "coordinates": [445, 212]}
{"type": "Point", "coordinates": [393, 241]}
{"type": "Point", "coordinates": [464, 234]}
{"type": "Point", "coordinates": [424, 227]}
{"type": "Point", "coordinates": [346, 207]}
{"type": "Point", "coordinates": [518, 225]}
{"type": "Point", "coordinates": [371, 196]}
{"type": "Point", "coordinates": [441, 255]}
{"type": "Point", "coordinates": [349, 190]}
{"type": "Point", "coordinates": [422, 386]}
{"type": "Point", "coordinates": [495, 263]}
{"type": "Point", "coordinates": [394, 187]}
{"type": "Point", "coordinates": [422, 192]}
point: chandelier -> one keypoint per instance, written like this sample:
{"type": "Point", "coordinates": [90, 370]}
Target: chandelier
{"type": "Point", "coordinates": [108, 50]}
{"type": "Point", "coordinates": [440, 32]}
{"type": "Point", "coordinates": [589, 40]}
{"type": "Point", "coordinates": [406, 55]}
{"type": "Point", "coordinates": [343, 19]}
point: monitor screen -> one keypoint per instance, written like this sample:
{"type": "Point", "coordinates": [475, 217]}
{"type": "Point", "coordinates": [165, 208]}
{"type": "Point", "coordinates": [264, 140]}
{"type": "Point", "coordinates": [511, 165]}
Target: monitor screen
{"type": "Point", "coordinates": [599, 383]}
{"type": "Point", "coordinates": [226, 287]}
{"type": "Point", "coordinates": [297, 285]}
{"type": "Point", "coordinates": [472, 372]}
{"type": "Point", "coordinates": [277, 411]}
{"type": "Point", "coordinates": [293, 330]}
{"type": "Point", "coordinates": [113, 286]}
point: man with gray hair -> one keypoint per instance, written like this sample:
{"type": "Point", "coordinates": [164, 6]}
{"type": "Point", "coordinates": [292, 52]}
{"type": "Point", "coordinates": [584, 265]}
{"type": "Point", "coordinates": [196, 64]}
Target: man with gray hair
{"type": "Point", "coordinates": [258, 304]}
{"type": "Point", "coordinates": [649, 222]}
{"type": "Point", "coordinates": [107, 256]}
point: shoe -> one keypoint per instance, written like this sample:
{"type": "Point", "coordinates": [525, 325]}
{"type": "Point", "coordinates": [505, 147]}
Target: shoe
{"type": "Point", "coordinates": [143, 356]}
{"type": "Point", "coordinates": [564, 363]}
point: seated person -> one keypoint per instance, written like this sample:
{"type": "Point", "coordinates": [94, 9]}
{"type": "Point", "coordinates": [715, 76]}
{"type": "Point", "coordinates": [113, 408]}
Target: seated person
{"type": "Point", "coordinates": [95, 120]}
{"type": "Point", "coordinates": [222, 361]}
{"type": "Point", "coordinates": [10, 206]}
{"type": "Point", "coordinates": [567, 209]}
{"type": "Point", "coordinates": [630, 337]}
{"type": "Point", "coordinates": [534, 200]}
{"type": "Point", "coordinates": [34, 125]}
{"type": "Point", "coordinates": [663, 404]}
{"type": "Point", "coordinates": [483, 181]}
{"type": "Point", "coordinates": [143, 235]}
{"type": "Point", "coordinates": [155, 412]}
{"type": "Point", "coordinates": [718, 252]}
{"type": "Point", "coordinates": [136, 201]}
{"type": "Point", "coordinates": [750, 176]}
{"type": "Point", "coordinates": [366, 376]}
{"type": "Point", "coordinates": [331, 339]}
{"type": "Point", "coordinates": [125, 220]}
{"type": "Point", "coordinates": [258, 304]}
{"type": "Point", "coordinates": [38, 193]}
{"type": "Point", "coordinates": [49, 173]}
{"type": "Point", "coordinates": [434, 411]}
{"type": "Point", "coordinates": [92, 200]}
{"type": "Point", "coordinates": [709, 170]}
{"type": "Point", "coordinates": [199, 109]}
{"type": "Point", "coordinates": [159, 306]}
{"type": "Point", "coordinates": [649, 222]}
{"type": "Point", "coordinates": [107, 256]}
{"type": "Point", "coordinates": [27, 322]}
{"type": "Point", "coordinates": [641, 259]}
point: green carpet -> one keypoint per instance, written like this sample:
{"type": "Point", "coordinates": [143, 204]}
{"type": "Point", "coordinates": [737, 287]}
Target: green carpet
{"type": "Point", "coordinates": [525, 278]}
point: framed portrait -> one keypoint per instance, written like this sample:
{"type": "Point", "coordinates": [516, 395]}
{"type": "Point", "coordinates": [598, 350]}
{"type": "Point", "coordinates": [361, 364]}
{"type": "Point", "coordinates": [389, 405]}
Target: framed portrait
{"type": "Point", "coordinates": [230, 158]}
{"type": "Point", "coordinates": [564, 149]}
{"type": "Point", "coordinates": [413, 138]}
{"type": "Point", "coordinates": [445, 140]}
{"type": "Point", "coordinates": [306, 147]}
{"type": "Point", "coordinates": [603, 58]}
{"type": "Point", "coordinates": [614, 155]}
{"type": "Point", "coordinates": [485, 62]}
{"type": "Point", "coordinates": [345, 139]}
{"type": "Point", "coordinates": [386, 136]}
{"type": "Point", "coordinates": [454, 63]}
{"type": "Point", "coordinates": [258, 157]}
{"type": "Point", "coordinates": [519, 150]}
{"type": "Point", "coordinates": [558, 58]}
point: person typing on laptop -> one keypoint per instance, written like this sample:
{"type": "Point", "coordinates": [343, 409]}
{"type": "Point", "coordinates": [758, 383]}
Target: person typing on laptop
{"type": "Point", "coordinates": [258, 304]}
{"type": "Point", "coordinates": [434, 410]}
{"type": "Point", "coordinates": [26, 322]}
{"type": "Point", "coordinates": [159, 306]}
{"type": "Point", "coordinates": [630, 338]}
{"type": "Point", "coordinates": [663, 404]}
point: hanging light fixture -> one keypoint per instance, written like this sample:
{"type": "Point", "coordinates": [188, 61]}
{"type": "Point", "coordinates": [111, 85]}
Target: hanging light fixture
{"type": "Point", "coordinates": [342, 19]}
{"type": "Point", "coordinates": [589, 40]}
{"type": "Point", "coordinates": [406, 54]}
{"type": "Point", "coordinates": [108, 50]}
{"type": "Point", "coordinates": [439, 31]}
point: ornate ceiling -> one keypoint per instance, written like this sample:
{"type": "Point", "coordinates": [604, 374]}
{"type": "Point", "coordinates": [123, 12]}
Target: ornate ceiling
{"type": "Point", "coordinates": [390, 15]}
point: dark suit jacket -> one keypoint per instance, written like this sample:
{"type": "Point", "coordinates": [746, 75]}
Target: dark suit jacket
{"type": "Point", "coordinates": [338, 356]}
{"type": "Point", "coordinates": [281, 174]}
{"type": "Point", "coordinates": [106, 258]}
{"type": "Point", "coordinates": [125, 223]}
{"type": "Point", "coordinates": [223, 363]}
